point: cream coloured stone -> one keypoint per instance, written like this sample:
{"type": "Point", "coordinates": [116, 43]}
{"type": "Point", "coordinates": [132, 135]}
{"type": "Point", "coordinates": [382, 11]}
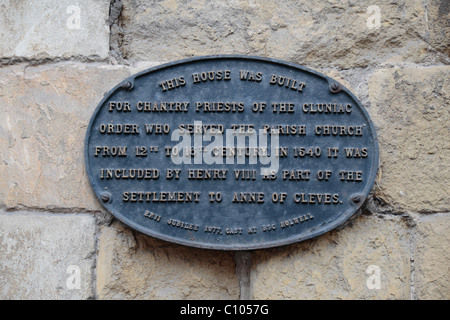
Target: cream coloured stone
{"type": "Point", "coordinates": [409, 107]}
{"type": "Point", "coordinates": [341, 34]}
{"type": "Point", "coordinates": [369, 259]}
{"type": "Point", "coordinates": [432, 257]}
{"type": "Point", "coordinates": [134, 266]}
{"type": "Point", "coordinates": [45, 113]}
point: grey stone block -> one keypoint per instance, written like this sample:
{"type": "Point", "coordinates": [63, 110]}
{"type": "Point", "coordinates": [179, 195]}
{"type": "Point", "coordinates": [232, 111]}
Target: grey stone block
{"type": "Point", "coordinates": [46, 256]}
{"type": "Point", "coordinates": [54, 28]}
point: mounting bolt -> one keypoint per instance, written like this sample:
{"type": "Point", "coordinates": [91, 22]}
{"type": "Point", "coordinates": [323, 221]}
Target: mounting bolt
{"type": "Point", "coordinates": [356, 199]}
{"type": "Point", "coordinates": [335, 87]}
{"type": "Point", "coordinates": [127, 85]}
{"type": "Point", "coordinates": [106, 196]}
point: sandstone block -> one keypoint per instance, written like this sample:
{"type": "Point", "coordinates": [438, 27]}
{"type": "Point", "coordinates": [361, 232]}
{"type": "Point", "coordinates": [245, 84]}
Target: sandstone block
{"type": "Point", "coordinates": [369, 259]}
{"type": "Point", "coordinates": [45, 113]}
{"type": "Point", "coordinates": [343, 34]}
{"type": "Point", "coordinates": [432, 257]}
{"type": "Point", "coordinates": [409, 107]}
{"type": "Point", "coordinates": [135, 266]}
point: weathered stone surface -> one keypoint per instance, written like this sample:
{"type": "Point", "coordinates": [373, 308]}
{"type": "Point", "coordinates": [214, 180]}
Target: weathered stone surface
{"type": "Point", "coordinates": [410, 110]}
{"type": "Point", "coordinates": [46, 256]}
{"type": "Point", "coordinates": [54, 28]}
{"type": "Point", "coordinates": [338, 264]}
{"type": "Point", "coordinates": [439, 21]}
{"type": "Point", "coordinates": [432, 257]}
{"type": "Point", "coordinates": [45, 113]}
{"type": "Point", "coordinates": [135, 266]}
{"type": "Point", "coordinates": [313, 33]}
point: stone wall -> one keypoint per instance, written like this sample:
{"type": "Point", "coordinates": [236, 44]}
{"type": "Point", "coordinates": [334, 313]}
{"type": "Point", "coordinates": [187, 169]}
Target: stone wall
{"type": "Point", "coordinates": [58, 59]}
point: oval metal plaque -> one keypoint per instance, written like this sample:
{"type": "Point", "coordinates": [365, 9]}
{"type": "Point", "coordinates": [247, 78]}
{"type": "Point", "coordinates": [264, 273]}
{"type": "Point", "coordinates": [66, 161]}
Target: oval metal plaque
{"type": "Point", "coordinates": [231, 153]}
